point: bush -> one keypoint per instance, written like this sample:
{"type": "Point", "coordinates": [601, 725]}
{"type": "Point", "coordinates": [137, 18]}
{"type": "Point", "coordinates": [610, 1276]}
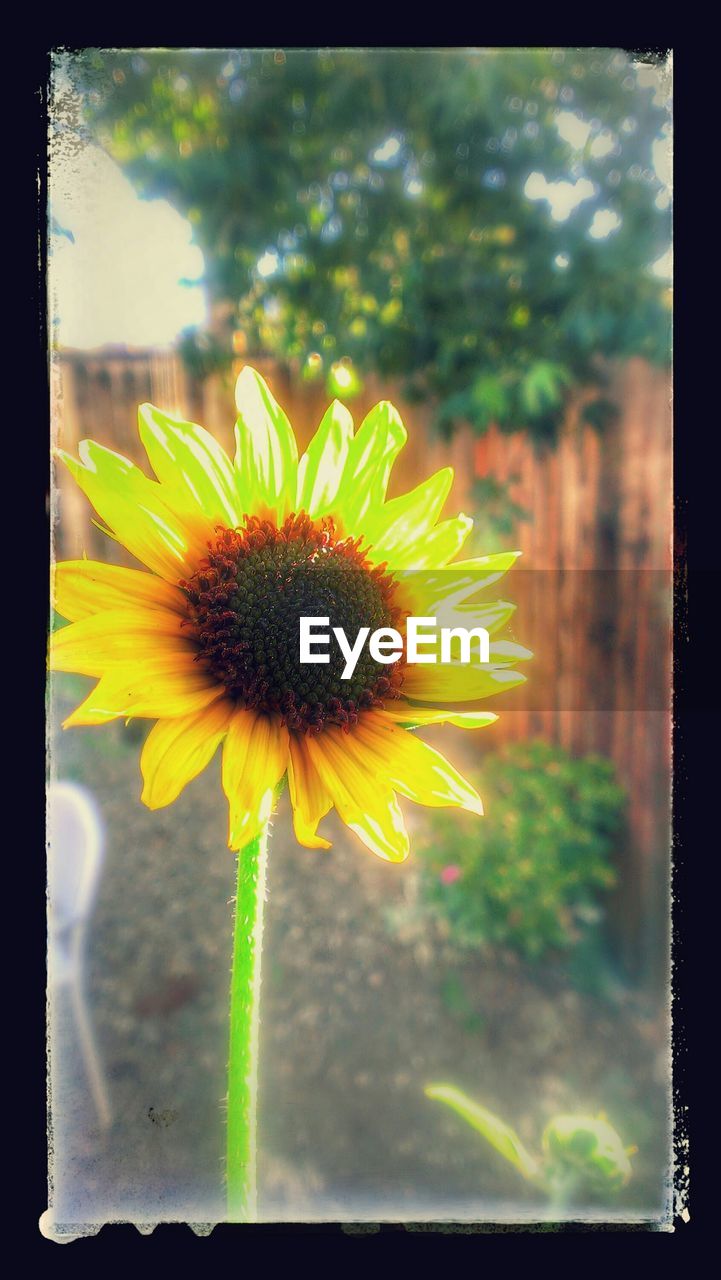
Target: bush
{"type": "Point", "coordinates": [527, 874]}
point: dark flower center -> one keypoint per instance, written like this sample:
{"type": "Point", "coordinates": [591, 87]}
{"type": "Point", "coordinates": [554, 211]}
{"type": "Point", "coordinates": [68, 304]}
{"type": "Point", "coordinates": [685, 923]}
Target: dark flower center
{"type": "Point", "coordinates": [246, 600]}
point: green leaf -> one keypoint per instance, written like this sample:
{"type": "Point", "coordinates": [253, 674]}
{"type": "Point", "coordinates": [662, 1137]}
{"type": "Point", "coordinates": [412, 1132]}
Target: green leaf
{"type": "Point", "coordinates": [489, 399]}
{"type": "Point", "coordinates": [543, 386]}
{"type": "Point", "coordinates": [500, 1135]}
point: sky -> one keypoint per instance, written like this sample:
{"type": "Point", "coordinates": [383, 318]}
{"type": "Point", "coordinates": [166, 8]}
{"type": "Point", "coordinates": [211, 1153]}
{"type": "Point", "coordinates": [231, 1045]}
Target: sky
{"type": "Point", "coordinates": [116, 261]}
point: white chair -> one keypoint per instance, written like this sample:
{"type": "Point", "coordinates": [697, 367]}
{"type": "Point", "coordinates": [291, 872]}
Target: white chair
{"type": "Point", "coordinates": [76, 846]}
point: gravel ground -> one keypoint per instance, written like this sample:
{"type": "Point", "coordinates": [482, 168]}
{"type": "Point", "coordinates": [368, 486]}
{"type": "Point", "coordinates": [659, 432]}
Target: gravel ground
{"type": "Point", "coordinates": [355, 1020]}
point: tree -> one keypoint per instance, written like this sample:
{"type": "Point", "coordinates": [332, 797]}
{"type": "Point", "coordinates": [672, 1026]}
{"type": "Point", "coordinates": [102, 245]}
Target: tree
{"type": "Point", "coordinates": [399, 211]}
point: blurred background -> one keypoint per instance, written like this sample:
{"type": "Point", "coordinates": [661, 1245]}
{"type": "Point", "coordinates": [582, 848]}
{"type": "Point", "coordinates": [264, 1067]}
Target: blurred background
{"type": "Point", "coordinates": [483, 237]}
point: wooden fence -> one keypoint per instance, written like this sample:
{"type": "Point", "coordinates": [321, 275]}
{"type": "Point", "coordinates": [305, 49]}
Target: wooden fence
{"type": "Point", "coordinates": [596, 540]}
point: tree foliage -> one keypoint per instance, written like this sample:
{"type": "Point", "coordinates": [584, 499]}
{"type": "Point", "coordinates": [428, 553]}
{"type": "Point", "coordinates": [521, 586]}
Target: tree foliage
{"type": "Point", "coordinates": [385, 210]}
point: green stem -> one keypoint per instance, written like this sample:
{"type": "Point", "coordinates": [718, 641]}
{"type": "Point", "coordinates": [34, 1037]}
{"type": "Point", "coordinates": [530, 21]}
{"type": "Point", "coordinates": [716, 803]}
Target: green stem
{"type": "Point", "coordinates": [244, 1024]}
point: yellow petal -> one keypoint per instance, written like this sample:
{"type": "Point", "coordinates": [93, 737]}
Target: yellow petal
{"type": "Point", "coordinates": [133, 508]}
{"type": "Point", "coordinates": [189, 463]}
{"type": "Point", "coordinates": [434, 549]}
{"type": "Point", "coordinates": [406, 521]}
{"type": "Point", "coordinates": [310, 799]}
{"type": "Point", "coordinates": [147, 692]}
{"type": "Point", "coordinates": [364, 802]}
{"type": "Point", "coordinates": [492, 614]}
{"type": "Point", "coordinates": [411, 766]}
{"type": "Point", "coordinates": [255, 757]}
{"type": "Point", "coordinates": [415, 717]}
{"type": "Point", "coordinates": [457, 681]}
{"type": "Point", "coordinates": [176, 751]}
{"type": "Point", "coordinates": [105, 640]}
{"type": "Point", "coordinates": [320, 470]}
{"type": "Point", "coordinates": [457, 583]}
{"type": "Point", "coordinates": [509, 651]}
{"type": "Point", "coordinates": [84, 587]}
{"type": "Point", "coordinates": [371, 455]}
{"type": "Point", "coordinates": [266, 459]}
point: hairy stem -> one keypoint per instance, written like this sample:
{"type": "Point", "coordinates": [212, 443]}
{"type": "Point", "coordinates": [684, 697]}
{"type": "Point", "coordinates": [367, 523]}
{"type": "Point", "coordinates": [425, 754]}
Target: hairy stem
{"type": "Point", "coordinates": [244, 1025]}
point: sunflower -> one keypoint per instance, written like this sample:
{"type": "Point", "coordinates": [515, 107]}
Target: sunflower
{"type": "Point", "coordinates": [204, 639]}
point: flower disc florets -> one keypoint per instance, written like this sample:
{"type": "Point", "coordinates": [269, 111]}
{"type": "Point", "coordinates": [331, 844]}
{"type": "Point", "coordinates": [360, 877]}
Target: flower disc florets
{"type": "Point", "coordinates": [246, 600]}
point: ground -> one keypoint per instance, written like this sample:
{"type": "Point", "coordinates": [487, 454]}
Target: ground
{"type": "Point", "coordinates": [356, 1018]}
